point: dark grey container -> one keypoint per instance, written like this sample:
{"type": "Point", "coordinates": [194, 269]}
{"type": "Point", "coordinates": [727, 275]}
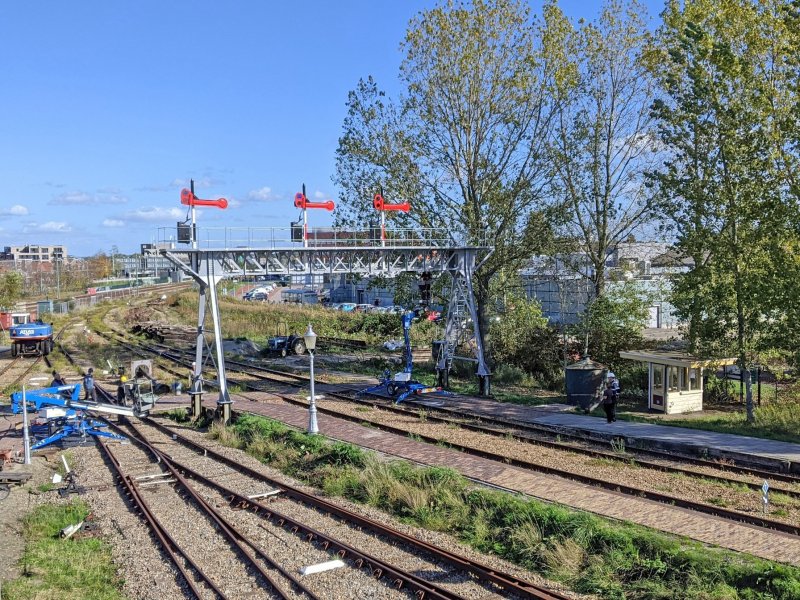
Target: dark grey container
{"type": "Point", "coordinates": [584, 380]}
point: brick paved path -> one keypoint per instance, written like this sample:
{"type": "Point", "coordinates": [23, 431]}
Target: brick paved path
{"type": "Point", "coordinates": [708, 529]}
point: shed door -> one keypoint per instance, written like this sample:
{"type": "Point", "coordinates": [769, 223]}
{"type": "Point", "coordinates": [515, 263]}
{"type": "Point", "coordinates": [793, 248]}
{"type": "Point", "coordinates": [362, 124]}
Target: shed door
{"type": "Point", "coordinates": [657, 380]}
{"type": "Point", "coordinates": [654, 317]}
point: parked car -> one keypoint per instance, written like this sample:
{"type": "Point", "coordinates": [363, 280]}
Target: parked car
{"type": "Point", "coordinates": [347, 306]}
{"type": "Point", "coordinates": [260, 296]}
{"type": "Point", "coordinates": [395, 309]}
{"type": "Point", "coordinates": [363, 308]}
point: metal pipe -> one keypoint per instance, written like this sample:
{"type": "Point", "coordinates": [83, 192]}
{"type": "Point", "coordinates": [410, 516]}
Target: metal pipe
{"type": "Point", "coordinates": [26, 440]}
{"type": "Point", "coordinates": [313, 428]}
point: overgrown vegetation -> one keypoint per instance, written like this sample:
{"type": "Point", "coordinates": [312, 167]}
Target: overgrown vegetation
{"type": "Point", "coordinates": [63, 569]}
{"type": "Point", "coordinates": [260, 321]}
{"type": "Point", "coordinates": [588, 553]}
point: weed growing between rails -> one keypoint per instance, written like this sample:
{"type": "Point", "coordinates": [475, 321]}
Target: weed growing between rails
{"type": "Point", "coordinates": [63, 568]}
{"type": "Point", "coordinates": [590, 554]}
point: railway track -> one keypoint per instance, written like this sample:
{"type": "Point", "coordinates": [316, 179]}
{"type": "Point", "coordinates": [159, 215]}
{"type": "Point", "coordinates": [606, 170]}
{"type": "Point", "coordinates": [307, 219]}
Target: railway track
{"type": "Point", "coordinates": [522, 435]}
{"type": "Point", "coordinates": [545, 435]}
{"type": "Point", "coordinates": [247, 567]}
{"type": "Point", "coordinates": [315, 522]}
{"type": "Point", "coordinates": [13, 372]}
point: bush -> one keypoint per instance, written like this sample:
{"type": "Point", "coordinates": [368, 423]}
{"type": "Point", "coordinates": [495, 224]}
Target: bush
{"type": "Point", "coordinates": [509, 375]}
{"type": "Point", "coordinates": [522, 338]}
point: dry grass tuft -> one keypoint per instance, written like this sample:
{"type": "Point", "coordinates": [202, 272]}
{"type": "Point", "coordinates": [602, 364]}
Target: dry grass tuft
{"type": "Point", "coordinates": [565, 559]}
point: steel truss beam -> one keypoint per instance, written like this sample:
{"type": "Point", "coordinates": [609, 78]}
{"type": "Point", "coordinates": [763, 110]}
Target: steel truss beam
{"type": "Point", "coordinates": [209, 266]}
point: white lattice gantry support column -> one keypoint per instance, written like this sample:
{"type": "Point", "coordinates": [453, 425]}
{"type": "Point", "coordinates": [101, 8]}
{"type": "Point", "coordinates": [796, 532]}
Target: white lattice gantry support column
{"type": "Point", "coordinates": [212, 265]}
{"type": "Point", "coordinates": [207, 271]}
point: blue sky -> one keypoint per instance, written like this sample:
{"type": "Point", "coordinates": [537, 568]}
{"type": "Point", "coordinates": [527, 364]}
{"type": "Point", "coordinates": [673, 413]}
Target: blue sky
{"type": "Point", "coordinates": [107, 110]}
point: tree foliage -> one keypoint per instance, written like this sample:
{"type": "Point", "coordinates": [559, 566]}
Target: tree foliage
{"type": "Point", "coordinates": [604, 140]}
{"type": "Point", "coordinates": [11, 284]}
{"type": "Point", "coordinates": [613, 322]}
{"type": "Point", "coordinates": [521, 336]}
{"type": "Point", "coordinates": [465, 143]}
{"type": "Point", "coordinates": [723, 68]}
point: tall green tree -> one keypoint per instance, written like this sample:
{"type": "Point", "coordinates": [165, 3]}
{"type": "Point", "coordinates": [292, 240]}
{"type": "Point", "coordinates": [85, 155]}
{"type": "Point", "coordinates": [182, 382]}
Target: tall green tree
{"type": "Point", "coordinates": [11, 284]}
{"type": "Point", "coordinates": [604, 138]}
{"type": "Point", "coordinates": [465, 142]}
{"type": "Point", "coordinates": [723, 187]}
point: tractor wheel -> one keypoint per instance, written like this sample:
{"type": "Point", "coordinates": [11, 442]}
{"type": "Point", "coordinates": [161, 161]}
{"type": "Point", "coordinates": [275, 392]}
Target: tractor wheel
{"type": "Point", "coordinates": [392, 388]}
{"type": "Point", "coordinates": [283, 353]}
{"type": "Point", "coordinates": [300, 347]}
{"type": "Point", "coordinates": [14, 350]}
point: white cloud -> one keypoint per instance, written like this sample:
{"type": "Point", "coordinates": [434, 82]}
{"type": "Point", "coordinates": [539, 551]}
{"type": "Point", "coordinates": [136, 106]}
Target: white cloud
{"type": "Point", "coordinates": [319, 195]}
{"type": "Point", "coordinates": [17, 210]}
{"type": "Point", "coordinates": [204, 182]}
{"type": "Point", "coordinates": [84, 199]}
{"type": "Point", "coordinates": [113, 223]}
{"type": "Point", "coordinates": [154, 213]}
{"type": "Point", "coordinates": [48, 227]}
{"type": "Point", "coordinates": [263, 194]}
{"type": "Point", "coordinates": [72, 198]}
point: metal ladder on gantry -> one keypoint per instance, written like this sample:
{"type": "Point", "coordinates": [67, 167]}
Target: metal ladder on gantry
{"type": "Point", "coordinates": [333, 252]}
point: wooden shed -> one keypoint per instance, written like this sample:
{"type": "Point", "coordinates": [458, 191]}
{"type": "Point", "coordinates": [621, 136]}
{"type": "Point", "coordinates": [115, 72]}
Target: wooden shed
{"type": "Point", "coordinates": [675, 379]}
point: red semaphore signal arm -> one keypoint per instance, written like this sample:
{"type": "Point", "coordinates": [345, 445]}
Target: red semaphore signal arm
{"type": "Point", "coordinates": [189, 199]}
{"type": "Point", "coordinates": [300, 201]}
{"type": "Point", "coordinates": [378, 203]}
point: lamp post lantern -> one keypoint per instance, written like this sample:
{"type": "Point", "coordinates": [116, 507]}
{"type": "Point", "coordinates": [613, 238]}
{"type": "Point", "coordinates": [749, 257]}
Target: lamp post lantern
{"type": "Point", "coordinates": [310, 339]}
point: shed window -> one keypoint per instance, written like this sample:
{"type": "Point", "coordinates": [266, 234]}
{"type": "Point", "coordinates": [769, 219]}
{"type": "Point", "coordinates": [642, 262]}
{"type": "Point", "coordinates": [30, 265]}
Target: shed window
{"type": "Point", "coordinates": [694, 379]}
{"type": "Point", "coordinates": [658, 376]}
{"type": "Point", "coordinates": [684, 373]}
{"type": "Point", "coordinates": [672, 379]}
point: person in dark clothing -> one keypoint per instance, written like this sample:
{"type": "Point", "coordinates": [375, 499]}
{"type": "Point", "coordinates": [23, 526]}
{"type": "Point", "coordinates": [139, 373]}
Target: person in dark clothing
{"type": "Point", "coordinates": [90, 393]}
{"type": "Point", "coordinates": [58, 380]}
{"type": "Point", "coordinates": [610, 402]}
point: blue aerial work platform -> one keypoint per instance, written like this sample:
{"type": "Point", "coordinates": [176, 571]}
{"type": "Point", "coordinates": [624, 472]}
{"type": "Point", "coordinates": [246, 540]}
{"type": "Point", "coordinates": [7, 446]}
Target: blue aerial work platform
{"type": "Point", "coordinates": [62, 407]}
{"type": "Point", "coordinates": [401, 385]}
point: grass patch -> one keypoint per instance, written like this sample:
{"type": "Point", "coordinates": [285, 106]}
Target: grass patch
{"type": "Point", "coordinates": [179, 415]}
{"type": "Point", "coordinates": [62, 569]}
{"type": "Point", "coordinates": [589, 554]}
{"type": "Point", "coordinates": [774, 421]}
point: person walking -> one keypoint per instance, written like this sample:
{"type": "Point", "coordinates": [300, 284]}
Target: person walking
{"type": "Point", "coordinates": [90, 393]}
{"type": "Point", "coordinates": [615, 388]}
{"type": "Point", "coordinates": [610, 402]}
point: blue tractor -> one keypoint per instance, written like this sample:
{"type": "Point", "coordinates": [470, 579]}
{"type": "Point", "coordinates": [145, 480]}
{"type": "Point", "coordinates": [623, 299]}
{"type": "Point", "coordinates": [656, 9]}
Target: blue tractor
{"type": "Point", "coordinates": [31, 339]}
